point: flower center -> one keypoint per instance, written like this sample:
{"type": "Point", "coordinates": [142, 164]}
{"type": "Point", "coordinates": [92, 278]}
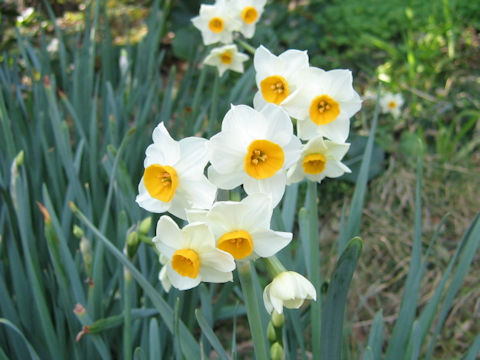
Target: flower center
{"type": "Point", "coordinates": [186, 262]}
{"type": "Point", "coordinates": [274, 89]}
{"type": "Point", "coordinates": [392, 105]}
{"type": "Point", "coordinates": [226, 57]}
{"type": "Point", "coordinates": [314, 163]}
{"type": "Point", "coordinates": [324, 110]}
{"type": "Point", "coordinates": [249, 15]}
{"type": "Point", "coordinates": [216, 25]}
{"type": "Point", "coordinates": [160, 181]}
{"type": "Point", "coordinates": [264, 158]}
{"type": "Point", "coordinates": [238, 243]}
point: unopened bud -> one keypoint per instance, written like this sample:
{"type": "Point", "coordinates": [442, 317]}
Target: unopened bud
{"type": "Point", "coordinates": [271, 334]}
{"type": "Point", "coordinates": [276, 351]}
{"type": "Point", "coordinates": [20, 158]}
{"type": "Point", "coordinates": [145, 225]}
{"type": "Point", "coordinates": [278, 319]}
{"type": "Point", "coordinates": [132, 244]}
{"type": "Point", "coordinates": [86, 251]}
{"type": "Point", "coordinates": [78, 232]}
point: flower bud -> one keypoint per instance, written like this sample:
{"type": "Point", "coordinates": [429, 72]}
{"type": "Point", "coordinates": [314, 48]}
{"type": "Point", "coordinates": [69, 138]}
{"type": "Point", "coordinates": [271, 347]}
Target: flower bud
{"type": "Point", "coordinates": [288, 289]}
{"type": "Point", "coordinates": [145, 226]}
{"type": "Point", "coordinates": [78, 232]}
{"type": "Point", "coordinates": [277, 319]}
{"type": "Point", "coordinates": [132, 244]}
{"type": "Point", "coordinates": [86, 251]}
{"type": "Point", "coordinates": [271, 334]}
{"type": "Point", "coordinates": [276, 351]}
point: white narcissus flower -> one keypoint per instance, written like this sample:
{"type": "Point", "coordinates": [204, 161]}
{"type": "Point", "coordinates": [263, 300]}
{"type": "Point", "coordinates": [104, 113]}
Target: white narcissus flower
{"type": "Point", "coordinates": [288, 289]}
{"type": "Point", "coordinates": [276, 76]}
{"type": "Point", "coordinates": [391, 103]}
{"type": "Point", "coordinates": [254, 148]}
{"type": "Point", "coordinates": [248, 12]}
{"type": "Point", "coordinates": [320, 158]}
{"type": "Point", "coordinates": [243, 228]}
{"type": "Point", "coordinates": [325, 104]}
{"type": "Point", "coordinates": [215, 23]}
{"type": "Point", "coordinates": [173, 179]}
{"type": "Point", "coordinates": [226, 58]}
{"type": "Point", "coordinates": [191, 255]}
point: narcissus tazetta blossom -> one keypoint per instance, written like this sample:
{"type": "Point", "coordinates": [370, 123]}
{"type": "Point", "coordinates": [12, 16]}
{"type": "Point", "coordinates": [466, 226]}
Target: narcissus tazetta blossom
{"type": "Point", "coordinates": [391, 103]}
{"type": "Point", "coordinates": [226, 58]}
{"type": "Point", "coordinates": [320, 158]}
{"type": "Point", "coordinates": [248, 12]}
{"type": "Point", "coordinates": [191, 255]}
{"type": "Point", "coordinates": [325, 104]}
{"type": "Point", "coordinates": [288, 289]}
{"type": "Point", "coordinates": [277, 76]}
{"type": "Point", "coordinates": [254, 148]}
{"type": "Point", "coordinates": [216, 23]}
{"type": "Point", "coordinates": [243, 228]}
{"type": "Point", "coordinates": [173, 179]}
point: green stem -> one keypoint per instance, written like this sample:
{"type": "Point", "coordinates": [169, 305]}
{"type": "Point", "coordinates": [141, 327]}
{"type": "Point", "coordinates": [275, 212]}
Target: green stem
{"type": "Point", "coordinates": [247, 47]}
{"type": "Point", "coordinates": [253, 311]}
{"type": "Point", "coordinates": [127, 325]}
{"type": "Point", "coordinates": [316, 306]}
{"type": "Point", "coordinates": [274, 266]}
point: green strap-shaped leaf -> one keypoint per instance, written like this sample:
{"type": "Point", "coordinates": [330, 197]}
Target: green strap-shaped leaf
{"type": "Point", "coordinates": [32, 352]}
{"type": "Point", "coordinates": [190, 347]}
{"type": "Point", "coordinates": [333, 312]}
{"type": "Point", "coordinates": [210, 335]}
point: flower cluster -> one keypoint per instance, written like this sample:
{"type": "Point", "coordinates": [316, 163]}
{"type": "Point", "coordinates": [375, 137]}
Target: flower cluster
{"type": "Point", "coordinates": [219, 22]}
{"type": "Point", "coordinates": [257, 148]}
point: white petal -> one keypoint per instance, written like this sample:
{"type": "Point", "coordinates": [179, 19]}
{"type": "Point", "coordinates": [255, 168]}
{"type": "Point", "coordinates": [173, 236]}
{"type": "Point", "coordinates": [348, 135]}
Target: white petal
{"type": "Point", "coordinates": [258, 101]}
{"type": "Point", "coordinates": [227, 181]}
{"type": "Point", "coordinates": [199, 236]}
{"type": "Point", "coordinates": [214, 276]}
{"type": "Point", "coordinates": [227, 152]}
{"type": "Point", "coordinates": [337, 130]}
{"type": "Point", "coordinates": [169, 234]}
{"type": "Point", "coordinates": [162, 276]}
{"type": "Point", "coordinates": [200, 192]}
{"type": "Point", "coordinates": [196, 215]}
{"type": "Point", "coordinates": [268, 242]}
{"type": "Point", "coordinates": [259, 211]}
{"type": "Point", "coordinates": [194, 156]}
{"type": "Point", "coordinates": [295, 174]}
{"type": "Point", "coordinates": [218, 260]}
{"type": "Point", "coordinates": [274, 186]}
{"type": "Point", "coordinates": [293, 151]}
{"type": "Point", "coordinates": [179, 281]}
{"type": "Point", "coordinates": [226, 216]}
{"type": "Point", "coordinates": [295, 60]}
{"type": "Point", "coordinates": [278, 126]}
{"type": "Point", "coordinates": [146, 201]}
{"type": "Point", "coordinates": [262, 60]}
{"type": "Point", "coordinates": [334, 169]}
{"type": "Point", "coordinates": [266, 298]}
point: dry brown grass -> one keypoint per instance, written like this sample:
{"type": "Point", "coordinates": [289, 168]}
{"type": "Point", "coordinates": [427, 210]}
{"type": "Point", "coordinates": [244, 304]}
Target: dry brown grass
{"type": "Point", "coordinates": [387, 230]}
